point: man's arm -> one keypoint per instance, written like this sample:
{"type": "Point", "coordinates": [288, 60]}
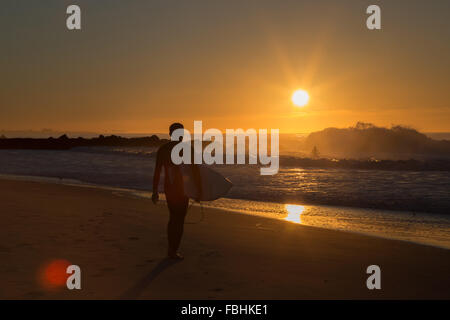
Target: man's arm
{"type": "Point", "coordinates": [156, 176]}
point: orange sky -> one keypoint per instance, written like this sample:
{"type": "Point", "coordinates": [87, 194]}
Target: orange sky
{"type": "Point", "coordinates": [139, 66]}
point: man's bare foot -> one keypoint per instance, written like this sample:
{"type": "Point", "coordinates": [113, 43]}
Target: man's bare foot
{"type": "Point", "coordinates": [176, 256]}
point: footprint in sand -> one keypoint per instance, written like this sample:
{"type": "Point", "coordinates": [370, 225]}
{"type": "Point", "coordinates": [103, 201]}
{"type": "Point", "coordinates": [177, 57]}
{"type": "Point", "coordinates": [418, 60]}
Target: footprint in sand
{"type": "Point", "coordinates": [118, 246]}
{"type": "Point", "coordinates": [24, 244]}
{"type": "Point", "coordinates": [11, 269]}
{"type": "Point", "coordinates": [4, 249]}
{"type": "Point", "coordinates": [34, 294]}
{"type": "Point", "coordinates": [107, 269]}
{"type": "Point", "coordinates": [210, 254]}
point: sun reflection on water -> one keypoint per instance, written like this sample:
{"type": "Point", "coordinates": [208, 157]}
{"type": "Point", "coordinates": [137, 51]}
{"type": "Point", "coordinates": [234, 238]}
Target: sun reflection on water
{"type": "Point", "coordinates": [294, 212]}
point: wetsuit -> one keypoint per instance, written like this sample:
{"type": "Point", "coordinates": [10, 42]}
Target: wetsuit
{"type": "Point", "coordinates": [177, 201]}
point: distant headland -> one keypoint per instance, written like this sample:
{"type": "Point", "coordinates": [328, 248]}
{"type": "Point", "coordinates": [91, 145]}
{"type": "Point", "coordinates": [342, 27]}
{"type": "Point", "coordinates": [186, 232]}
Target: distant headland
{"type": "Point", "coordinates": [64, 142]}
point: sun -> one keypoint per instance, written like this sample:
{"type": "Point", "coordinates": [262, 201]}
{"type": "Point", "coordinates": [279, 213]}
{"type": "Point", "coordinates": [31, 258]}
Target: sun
{"type": "Point", "coordinates": [300, 98]}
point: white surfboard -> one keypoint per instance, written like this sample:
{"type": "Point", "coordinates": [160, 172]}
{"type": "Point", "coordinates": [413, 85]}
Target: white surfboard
{"type": "Point", "coordinates": [214, 185]}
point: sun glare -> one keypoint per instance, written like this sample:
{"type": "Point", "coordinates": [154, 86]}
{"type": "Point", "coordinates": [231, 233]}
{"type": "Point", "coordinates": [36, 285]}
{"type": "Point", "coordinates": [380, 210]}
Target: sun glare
{"type": "Point", "coordinates": [300, 98]}
{"type": "Point", "coordinates": [293, 212]}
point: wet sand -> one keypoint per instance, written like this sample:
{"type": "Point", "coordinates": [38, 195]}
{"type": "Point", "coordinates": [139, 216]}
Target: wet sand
{"type": "Point", "coordinates": [119, 241]}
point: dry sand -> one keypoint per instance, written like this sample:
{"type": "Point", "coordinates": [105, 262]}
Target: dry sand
{"type": "Point", "coordinates": [119, 242]}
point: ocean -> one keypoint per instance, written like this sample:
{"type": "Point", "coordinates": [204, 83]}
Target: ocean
{"type": "Point", "coordinates": [405, 205]}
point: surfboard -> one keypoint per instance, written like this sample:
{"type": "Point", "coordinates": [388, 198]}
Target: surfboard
{"type": "Point", "coordinates": [214, 185]}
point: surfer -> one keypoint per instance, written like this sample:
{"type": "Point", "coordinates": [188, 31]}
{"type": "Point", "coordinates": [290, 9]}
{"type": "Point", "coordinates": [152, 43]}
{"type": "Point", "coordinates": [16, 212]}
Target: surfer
{"type": "Point", "coordinates": [176, 199]}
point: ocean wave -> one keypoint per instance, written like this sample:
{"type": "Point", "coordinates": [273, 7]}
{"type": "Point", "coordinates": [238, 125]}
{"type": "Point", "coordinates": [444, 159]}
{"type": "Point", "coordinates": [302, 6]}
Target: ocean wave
{"type": "Point", "coordinates": [416, 191]}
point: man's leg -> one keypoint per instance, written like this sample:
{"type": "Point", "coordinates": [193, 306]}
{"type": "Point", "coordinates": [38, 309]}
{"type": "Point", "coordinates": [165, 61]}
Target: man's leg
{"type": "Point", "coordinates": [175, 227]}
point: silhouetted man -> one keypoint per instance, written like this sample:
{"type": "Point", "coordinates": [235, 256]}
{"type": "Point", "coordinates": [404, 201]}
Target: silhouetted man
{"type": "Point", "coordinates": [177, 201]}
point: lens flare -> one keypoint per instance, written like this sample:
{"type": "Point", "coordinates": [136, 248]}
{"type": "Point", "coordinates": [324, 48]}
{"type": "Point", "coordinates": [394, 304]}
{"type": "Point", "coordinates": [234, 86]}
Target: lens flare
{"type": "Point", "coordinates": [52, 275]}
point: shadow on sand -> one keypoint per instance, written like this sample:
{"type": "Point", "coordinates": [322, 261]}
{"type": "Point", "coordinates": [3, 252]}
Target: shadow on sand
{"type": "Point", "coordinates": [135, 291]}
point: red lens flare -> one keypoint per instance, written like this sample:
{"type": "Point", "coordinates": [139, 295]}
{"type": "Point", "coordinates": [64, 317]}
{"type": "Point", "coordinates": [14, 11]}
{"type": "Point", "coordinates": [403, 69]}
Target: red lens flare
{"type": "Point", "coordinates": [52, 275]}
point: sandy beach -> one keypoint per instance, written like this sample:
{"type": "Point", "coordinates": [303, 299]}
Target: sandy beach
{"type": "Point", "coordinates": [119, 242]}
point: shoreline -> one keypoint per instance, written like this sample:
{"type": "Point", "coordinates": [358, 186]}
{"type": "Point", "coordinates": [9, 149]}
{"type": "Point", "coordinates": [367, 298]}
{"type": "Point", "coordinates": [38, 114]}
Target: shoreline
{"type": "Point", "coordinates": [147, 195]}
{"type": "Point", "coordinates": [119, 242]}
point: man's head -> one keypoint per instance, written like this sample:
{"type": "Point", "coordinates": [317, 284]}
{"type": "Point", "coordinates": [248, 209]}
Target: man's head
{"type": "Point", "coordinates": [175, 126]}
